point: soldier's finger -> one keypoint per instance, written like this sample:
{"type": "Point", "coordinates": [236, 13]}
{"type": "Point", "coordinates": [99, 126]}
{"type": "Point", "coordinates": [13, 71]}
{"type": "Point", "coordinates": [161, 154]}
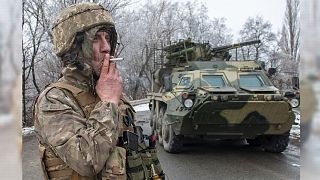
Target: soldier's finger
{"type": "Point", "coordinates": [117, 74]}
{"type": "Point", "coordinates": [112, 68]}
{"type": "Point", "coordinates": [105, 66]}
{"type": "Point", "coordinates": [120, 79]}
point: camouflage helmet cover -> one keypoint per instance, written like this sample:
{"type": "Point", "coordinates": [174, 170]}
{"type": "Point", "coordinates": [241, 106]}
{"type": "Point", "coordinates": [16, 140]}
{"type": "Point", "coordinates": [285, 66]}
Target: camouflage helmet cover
{"type": "Point", "coordinates": [77, 18]}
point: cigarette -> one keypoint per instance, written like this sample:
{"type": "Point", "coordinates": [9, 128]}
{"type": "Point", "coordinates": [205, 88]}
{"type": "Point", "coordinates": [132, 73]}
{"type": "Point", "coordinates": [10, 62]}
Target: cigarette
{"type": "Point", "coordinates": [116, 59]}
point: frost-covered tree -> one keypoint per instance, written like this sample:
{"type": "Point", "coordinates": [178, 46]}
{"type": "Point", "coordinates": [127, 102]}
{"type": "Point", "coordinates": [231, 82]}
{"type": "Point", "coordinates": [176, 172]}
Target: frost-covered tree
{"type": "Point", "coordinates": [290, 37]}
{"type": "Point", "coordinates": [288, 55]}
{"type": "Point", "coordinates": [257, 29]}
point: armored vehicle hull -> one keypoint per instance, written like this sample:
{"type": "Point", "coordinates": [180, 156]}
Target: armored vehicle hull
{"type": "Point", "coordinates": [243, 119]}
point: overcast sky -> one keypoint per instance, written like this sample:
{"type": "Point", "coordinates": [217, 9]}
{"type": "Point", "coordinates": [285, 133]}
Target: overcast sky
{"type": "Point", "coordinates": [237, 12]}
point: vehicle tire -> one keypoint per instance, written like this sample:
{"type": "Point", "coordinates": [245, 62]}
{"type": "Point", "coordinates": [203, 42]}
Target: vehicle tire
{"type": "Point", "coordinates": [254, 142]}
{"type": "Point", "coordinates": [295, 102]}
{"type": "Point", "coordinates": [171, 143]}
{"type": "Point", "coordinates": [159, 125]}
{"type": "Point", "coordinates": [275, 143]}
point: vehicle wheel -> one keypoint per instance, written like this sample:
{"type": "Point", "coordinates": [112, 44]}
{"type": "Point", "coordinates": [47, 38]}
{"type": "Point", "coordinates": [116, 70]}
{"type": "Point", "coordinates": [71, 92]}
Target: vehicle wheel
{"type": "Point", "coordinates": [275, 143]}
{"type": "Point", "coordinates": [254, 142]}
{"type": "Point", "coordinates": [294, 102]}
{"type": "Point", "coordinates": [159, 125]}
{"type": "Point", "coordinates": [171, 143]}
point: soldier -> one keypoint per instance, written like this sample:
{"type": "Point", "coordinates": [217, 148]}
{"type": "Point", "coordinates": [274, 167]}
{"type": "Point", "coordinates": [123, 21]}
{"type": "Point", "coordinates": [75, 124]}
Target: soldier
{"type": "Point", "coordinates": [84, 125]}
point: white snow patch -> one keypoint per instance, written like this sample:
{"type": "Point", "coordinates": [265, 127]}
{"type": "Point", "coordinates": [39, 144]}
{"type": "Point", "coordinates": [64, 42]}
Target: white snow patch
{"type": "Point", "coordinates": [296, 165]}
{"type": "Point", "coordinates": [142, 107]}
{"type": "Point", "coordinates": [27, 130]}
{"type": "Point", "coordinates": [297, 115]}
{"type": "Point", "coordinates": [295, 130]}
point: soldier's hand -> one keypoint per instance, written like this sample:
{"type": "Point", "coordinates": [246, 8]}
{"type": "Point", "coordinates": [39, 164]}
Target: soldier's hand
{"type": "Point", "coordinates": [109, 85]}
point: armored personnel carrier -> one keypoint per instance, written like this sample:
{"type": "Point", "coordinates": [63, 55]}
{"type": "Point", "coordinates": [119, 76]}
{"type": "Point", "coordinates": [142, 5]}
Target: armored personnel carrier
{"type": "Point", "coordinates": [198, 91]}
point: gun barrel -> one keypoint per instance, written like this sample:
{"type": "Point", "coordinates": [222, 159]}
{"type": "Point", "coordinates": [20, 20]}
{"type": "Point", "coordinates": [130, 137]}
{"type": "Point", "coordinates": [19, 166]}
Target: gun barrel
{"type": "Point", "coordinates": [233, 46]}
{"type": "Point", "coordinates": [179, 53]}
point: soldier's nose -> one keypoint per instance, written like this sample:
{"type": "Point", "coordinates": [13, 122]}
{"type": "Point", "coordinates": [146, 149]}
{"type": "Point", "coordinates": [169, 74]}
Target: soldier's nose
{"type": "Point", "coordinates": [104, 46]}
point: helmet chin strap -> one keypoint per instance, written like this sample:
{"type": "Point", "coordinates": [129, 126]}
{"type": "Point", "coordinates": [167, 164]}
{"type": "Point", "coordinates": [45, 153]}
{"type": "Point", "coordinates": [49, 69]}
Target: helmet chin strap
{"type": "Point", "coordinates": [94, 79]}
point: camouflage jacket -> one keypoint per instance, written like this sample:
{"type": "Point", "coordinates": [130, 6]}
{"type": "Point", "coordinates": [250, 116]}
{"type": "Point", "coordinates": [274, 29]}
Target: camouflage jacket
{"type": "Point", "coordinates": [83, 143]}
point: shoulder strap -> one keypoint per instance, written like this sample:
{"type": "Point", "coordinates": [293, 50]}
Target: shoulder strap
{"type": "Point", "coordinates": [85, 99]}
{"type": "Point", "coordinates": [73, 89]}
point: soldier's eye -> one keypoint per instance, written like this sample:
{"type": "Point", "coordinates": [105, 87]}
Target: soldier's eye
{"type": "Point", "coordinates": [107, 38]}
{"type": "Point", "coordinates": [95, 38]}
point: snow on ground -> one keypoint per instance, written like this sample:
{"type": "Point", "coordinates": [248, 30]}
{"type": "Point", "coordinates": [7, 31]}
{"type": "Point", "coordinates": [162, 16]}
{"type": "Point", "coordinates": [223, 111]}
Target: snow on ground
{"type": "Point", "coordinates": [297, 114]}
{"type": "Point", "coordinates": [27, 130]}
{"type": "Point", "coordinates": [295, 130]}
{"type": "Point", "coordinates": [295, 165]}
{"type": "Point", "coordinates": [142, 107]}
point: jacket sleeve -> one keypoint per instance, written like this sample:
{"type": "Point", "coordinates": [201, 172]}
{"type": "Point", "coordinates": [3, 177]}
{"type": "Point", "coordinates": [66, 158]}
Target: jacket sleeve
{"type": "Point", "coordinates": [83, 144]}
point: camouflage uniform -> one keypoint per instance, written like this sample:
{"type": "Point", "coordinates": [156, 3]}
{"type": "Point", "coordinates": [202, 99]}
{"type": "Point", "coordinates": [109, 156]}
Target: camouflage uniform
{"type": "Point", "coordinates": [79, 134]}
{"type": "Point", "coordinates": [77, 140]}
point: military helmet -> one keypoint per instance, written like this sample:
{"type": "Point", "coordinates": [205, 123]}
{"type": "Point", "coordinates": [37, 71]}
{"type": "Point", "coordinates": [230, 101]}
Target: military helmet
{"type": "Point", "coordinates": [78, 18]}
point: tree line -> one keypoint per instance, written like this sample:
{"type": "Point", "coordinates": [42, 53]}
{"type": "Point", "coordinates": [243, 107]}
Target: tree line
{"type": "Point", "coordinates": [146, 28]}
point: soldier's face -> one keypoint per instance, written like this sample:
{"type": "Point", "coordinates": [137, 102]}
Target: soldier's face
{"type": "Point", "coordinates": [101, 50]}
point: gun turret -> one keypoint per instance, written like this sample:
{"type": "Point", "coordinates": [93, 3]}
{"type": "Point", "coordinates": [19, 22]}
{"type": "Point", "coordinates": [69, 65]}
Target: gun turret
{"type": "Point", "coordinates": [178, 54]}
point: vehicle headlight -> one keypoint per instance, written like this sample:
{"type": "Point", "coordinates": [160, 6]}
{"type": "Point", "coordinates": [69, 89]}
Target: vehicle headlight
{"type": "Point", "coordinates": [268, 97]}
{"type": "Point", "coordinates": [188, 103]}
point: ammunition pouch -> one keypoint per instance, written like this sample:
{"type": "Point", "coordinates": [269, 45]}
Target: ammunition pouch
{"type": "Point", "coordinates": [140, 157]}
{"type": "Point", "coordinates": [135, 169]}
{"type": "Point", "coordinates": [139, 165]}
{"type": "Point", "coordinates": [115, 167]}
{"type": "Point", "coordinates": [156, 163]}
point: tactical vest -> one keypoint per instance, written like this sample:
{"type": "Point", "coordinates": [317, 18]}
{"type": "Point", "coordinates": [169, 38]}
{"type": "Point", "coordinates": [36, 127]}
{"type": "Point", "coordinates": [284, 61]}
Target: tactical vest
{"type": "Point", "coordinates": [122, 163]}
